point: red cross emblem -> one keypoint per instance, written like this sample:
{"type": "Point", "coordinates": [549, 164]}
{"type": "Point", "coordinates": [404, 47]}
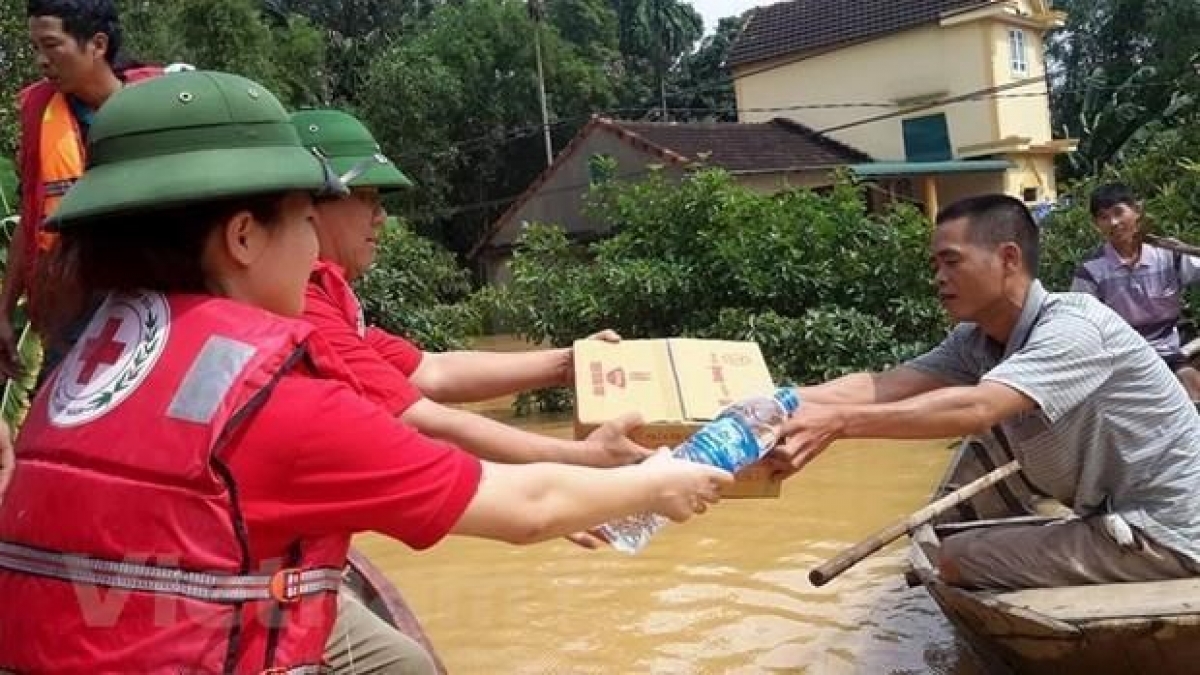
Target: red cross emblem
{"type": "Point", "coordinates": [102, 350]}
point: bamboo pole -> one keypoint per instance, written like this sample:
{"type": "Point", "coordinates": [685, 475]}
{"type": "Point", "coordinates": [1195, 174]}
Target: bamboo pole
{"type": "Point", "coordinates": [853, 555]}
{"type": "Point", "coordinates": [1171, 244]}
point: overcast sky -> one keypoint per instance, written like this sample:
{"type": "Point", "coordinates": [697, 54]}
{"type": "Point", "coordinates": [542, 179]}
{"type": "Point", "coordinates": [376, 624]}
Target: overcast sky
{"type": "Point", "coordinates": [715, 10]}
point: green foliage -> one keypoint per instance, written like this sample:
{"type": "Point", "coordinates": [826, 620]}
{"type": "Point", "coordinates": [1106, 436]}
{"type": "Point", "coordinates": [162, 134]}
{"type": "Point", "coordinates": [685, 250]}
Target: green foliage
{"type": "Point", "coordinates": [9, 203]}
{"type": "Point", "coordinates": [284, 53]}
{"type": "Point", "coordinates": [658, 33]}
{"type": "Point", "coordinates": [468, 72]}
{"type": "Point", "coordinates": [416, 289]}
{"type": "Point", "coordinates": [1125, 69]}
{"type": "Point", "coordinates": [17, 394]}
{"type": "Point", "coordinates": [17, 69]}
{"type": "Point", "coordinates": [821, 285]}
{"type": "Point", "coordinates": [704, 87]}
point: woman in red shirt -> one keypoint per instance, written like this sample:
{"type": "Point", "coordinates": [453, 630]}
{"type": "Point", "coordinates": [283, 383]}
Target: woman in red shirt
{"type": "Point", "coordinates": [187, 482]}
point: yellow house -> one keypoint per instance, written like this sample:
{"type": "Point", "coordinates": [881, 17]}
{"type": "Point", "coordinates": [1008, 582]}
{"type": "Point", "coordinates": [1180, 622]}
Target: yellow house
{"type": "Point", "coordinates": [948, 96]}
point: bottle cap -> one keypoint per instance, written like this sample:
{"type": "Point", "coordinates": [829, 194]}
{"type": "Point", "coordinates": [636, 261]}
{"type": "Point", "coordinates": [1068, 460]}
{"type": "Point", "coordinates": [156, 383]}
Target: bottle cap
{"type": "Point", "coordinates": [787, 397]}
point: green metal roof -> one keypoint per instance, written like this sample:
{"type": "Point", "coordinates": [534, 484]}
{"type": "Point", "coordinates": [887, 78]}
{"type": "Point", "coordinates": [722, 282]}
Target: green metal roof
{"type": "Point", "coordinates": [926, 168]}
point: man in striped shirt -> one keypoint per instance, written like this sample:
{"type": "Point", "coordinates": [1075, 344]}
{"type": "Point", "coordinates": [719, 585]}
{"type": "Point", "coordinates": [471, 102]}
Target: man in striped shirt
{"type": "Point", "coordinates": [1142, 283]}
{"type": "Point", "coordinates": [1095, 417]}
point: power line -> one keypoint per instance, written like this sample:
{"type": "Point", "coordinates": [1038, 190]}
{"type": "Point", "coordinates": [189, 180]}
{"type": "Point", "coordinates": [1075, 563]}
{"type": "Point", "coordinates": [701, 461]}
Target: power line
{"type": "Point", "coordinates": [988, 93]}
{"type": "Point", "coordinates": [509, 135]}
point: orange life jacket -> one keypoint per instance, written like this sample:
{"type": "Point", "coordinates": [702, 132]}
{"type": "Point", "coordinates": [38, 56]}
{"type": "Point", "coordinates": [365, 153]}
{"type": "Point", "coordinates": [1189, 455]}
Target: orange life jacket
{"type": "Point", "coordinates": [51, 157]}
{"type": "Point", "coordinates": [123, 548]}
{"type": "Point", "coordinates": [61, 160]}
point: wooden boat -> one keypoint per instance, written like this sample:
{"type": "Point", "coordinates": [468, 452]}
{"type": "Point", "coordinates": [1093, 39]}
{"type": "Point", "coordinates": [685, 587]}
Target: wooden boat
{"type": "Point", "coordinates": [382, 598]}
{"type": "Point", "coordinates": [1147, 628]}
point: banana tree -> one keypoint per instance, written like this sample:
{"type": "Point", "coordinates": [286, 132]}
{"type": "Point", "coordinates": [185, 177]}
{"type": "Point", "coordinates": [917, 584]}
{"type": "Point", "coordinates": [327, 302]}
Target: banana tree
{"type": "Point", "coordinates": [18, 391]}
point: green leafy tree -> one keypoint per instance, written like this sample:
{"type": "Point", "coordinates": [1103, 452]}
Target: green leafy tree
{"type": "Point", "coordinates": [456, 105]}
{"type": "Point", "coordinates": [17, 69]}
{"type": "Point", "coordinates": [702, 88]}
{"type": "Point", "coordinates": [821, 285]}
{"type": "Point", "coordinates": [659, 32]}
{"type": "Point", "coordinates": [416, 289]}
{"type": "Point", "coordinates": [355, 32]}
{"type": "Point", "coordinates": [285, 54]}
{"type": "Point", "coordinates": [1122, 70]}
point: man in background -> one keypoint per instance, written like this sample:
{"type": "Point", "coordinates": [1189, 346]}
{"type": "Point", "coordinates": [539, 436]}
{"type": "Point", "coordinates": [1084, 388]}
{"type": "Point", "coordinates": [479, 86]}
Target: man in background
{"type": "Point", "coordinates": [78, 45]}
{"type": "Point", "coordinates": [1142, 283]}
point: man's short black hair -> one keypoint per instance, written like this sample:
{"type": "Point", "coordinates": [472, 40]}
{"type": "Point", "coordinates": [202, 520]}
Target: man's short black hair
{"type": "Point", "coordinates": [83, 19]}
{"type": "Point", "coordinates": [1111, 194]}
{"type": "Point", "coordinates": [997, 219]}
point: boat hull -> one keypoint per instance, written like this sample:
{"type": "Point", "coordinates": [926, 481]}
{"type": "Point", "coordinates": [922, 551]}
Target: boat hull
{"type": "Point", "coordinates": [1148, 628]}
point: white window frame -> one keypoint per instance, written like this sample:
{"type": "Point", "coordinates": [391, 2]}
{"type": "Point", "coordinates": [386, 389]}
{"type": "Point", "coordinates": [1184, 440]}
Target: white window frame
{"type": "Point", "coordinates": [1018, 52]}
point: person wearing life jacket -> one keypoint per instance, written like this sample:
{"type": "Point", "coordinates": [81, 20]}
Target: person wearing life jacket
{"type": "Point", "coordinates": [78, 47]}
{"type": "Point", "coordinates": [188, 480]}
{"type": "Point", "coordinates": [412, 384]}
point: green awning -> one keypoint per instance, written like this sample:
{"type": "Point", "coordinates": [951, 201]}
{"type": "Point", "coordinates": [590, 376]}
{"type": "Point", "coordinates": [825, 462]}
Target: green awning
{"type": "Point", "coordinates": [877, 169]}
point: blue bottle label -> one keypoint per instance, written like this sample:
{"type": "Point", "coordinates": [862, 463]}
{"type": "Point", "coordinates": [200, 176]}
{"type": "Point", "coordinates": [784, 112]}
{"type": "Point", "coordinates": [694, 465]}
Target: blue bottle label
{"type": "Point", "coordinates": [725, 443]}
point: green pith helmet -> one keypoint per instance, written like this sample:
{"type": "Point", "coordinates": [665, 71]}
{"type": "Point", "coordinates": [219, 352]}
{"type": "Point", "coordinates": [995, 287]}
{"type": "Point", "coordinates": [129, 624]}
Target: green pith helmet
{"type": "Point", "coordinates": [350, 149]}
{"type": "Point", "coordinates": [188, 138]}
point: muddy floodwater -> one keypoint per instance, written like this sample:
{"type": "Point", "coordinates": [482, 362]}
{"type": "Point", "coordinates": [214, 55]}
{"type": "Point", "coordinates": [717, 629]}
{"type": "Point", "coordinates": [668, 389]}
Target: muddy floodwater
{"type": "Point", "coordinates": [725, 593]}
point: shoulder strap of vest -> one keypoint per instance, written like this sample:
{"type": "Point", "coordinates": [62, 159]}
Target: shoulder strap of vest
{"type": "Point", "coordinates": [140, 72]}
{"type": "Point", "coordinates": [34, 100]}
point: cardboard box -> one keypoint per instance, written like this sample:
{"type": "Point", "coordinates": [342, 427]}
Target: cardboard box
{"type": "Point", "coordinates": [677, 385]}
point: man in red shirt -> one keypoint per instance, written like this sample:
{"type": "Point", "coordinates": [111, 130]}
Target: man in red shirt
{"type": "Point", "coordinates": [405, 381]}
{"type": "Point", "coordinates": [394, 372]}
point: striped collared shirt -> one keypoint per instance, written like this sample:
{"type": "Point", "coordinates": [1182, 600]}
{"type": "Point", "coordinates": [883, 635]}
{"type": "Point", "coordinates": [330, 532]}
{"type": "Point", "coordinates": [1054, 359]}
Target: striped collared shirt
{"type": "Point", "coordinates": [1114, 430]}
{"type": "Point", "coordinates": [1148, 293]}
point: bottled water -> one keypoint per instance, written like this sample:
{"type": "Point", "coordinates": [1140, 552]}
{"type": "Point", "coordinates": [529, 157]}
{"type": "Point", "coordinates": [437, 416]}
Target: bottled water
{"type": "Point", "coordinates": [740, 435]}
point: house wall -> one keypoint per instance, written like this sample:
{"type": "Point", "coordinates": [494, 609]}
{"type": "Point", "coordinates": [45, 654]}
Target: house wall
{"type": "Point", "coordinates": [560, 200]}
{"type": "Point", "coordinates": [1032, 171]}
{"type": "Point", "coordinates": [952, 188]}
{"type": "Point", "coordinates": [930, 62]}
{"type": "Point", "coordinates": [1023, 111]}
{"type": "Point", "coordinates": [494, 267]}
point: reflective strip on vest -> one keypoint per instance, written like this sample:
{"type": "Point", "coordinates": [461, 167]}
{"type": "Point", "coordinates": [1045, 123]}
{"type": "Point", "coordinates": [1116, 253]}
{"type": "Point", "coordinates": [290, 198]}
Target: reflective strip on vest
{"type": "Point", "coordinates": [283, 586]}
{"type": "Point", "coordinates": [59, 188]}
{"type": "Point", "coordinates": [209, 379]}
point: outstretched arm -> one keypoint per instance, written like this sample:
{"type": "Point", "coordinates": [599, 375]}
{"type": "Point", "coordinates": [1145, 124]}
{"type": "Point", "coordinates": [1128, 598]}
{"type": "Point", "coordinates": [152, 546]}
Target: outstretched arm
{"type": "Point", "coordinates": [944, 413]}
{"type": "Point", "coordinates": [491, 440]}
{"type": "Point", "coordinates": [532, 503]}
{"type": "Point", "coordinates": [890, 385]}
{"type": "Point", "coordinates": [466, 376]}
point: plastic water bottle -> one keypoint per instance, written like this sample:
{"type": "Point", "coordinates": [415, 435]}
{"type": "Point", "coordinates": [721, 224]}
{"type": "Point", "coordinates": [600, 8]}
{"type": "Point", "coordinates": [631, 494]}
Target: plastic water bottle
{"type": "Point", "coordinates": [740, 435]}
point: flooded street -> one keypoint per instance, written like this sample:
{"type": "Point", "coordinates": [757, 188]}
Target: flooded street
{"type": "Point", "coordinates": [724, 593]}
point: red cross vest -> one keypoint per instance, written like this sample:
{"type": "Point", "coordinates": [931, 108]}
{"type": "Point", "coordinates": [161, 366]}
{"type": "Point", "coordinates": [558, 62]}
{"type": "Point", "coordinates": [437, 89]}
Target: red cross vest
{"type": "Point", "coordinates": [122, 545]}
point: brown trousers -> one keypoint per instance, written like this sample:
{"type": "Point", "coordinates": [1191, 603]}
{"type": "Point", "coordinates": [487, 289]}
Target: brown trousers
{"type": "Point", "coordinates": [1072, 552]}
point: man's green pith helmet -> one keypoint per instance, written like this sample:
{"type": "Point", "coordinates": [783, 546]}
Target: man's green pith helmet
{"type": "Point", "coordinates": [188, 138]}
{"type": "Point", "coordinates": [349, 148]}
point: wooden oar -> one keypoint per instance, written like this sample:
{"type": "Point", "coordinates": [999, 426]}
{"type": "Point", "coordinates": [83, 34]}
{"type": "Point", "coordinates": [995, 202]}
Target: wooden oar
{"type": "Point", "coordinates": [851, 556]}
{"type": "Point", "coordinates": [1171, 244]}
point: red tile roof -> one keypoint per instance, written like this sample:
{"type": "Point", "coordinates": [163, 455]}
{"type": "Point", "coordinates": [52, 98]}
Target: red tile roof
{"type": "Point", "coordinates": [810, 25]}
{"type": "Point", "coordinates": [779, 145]}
